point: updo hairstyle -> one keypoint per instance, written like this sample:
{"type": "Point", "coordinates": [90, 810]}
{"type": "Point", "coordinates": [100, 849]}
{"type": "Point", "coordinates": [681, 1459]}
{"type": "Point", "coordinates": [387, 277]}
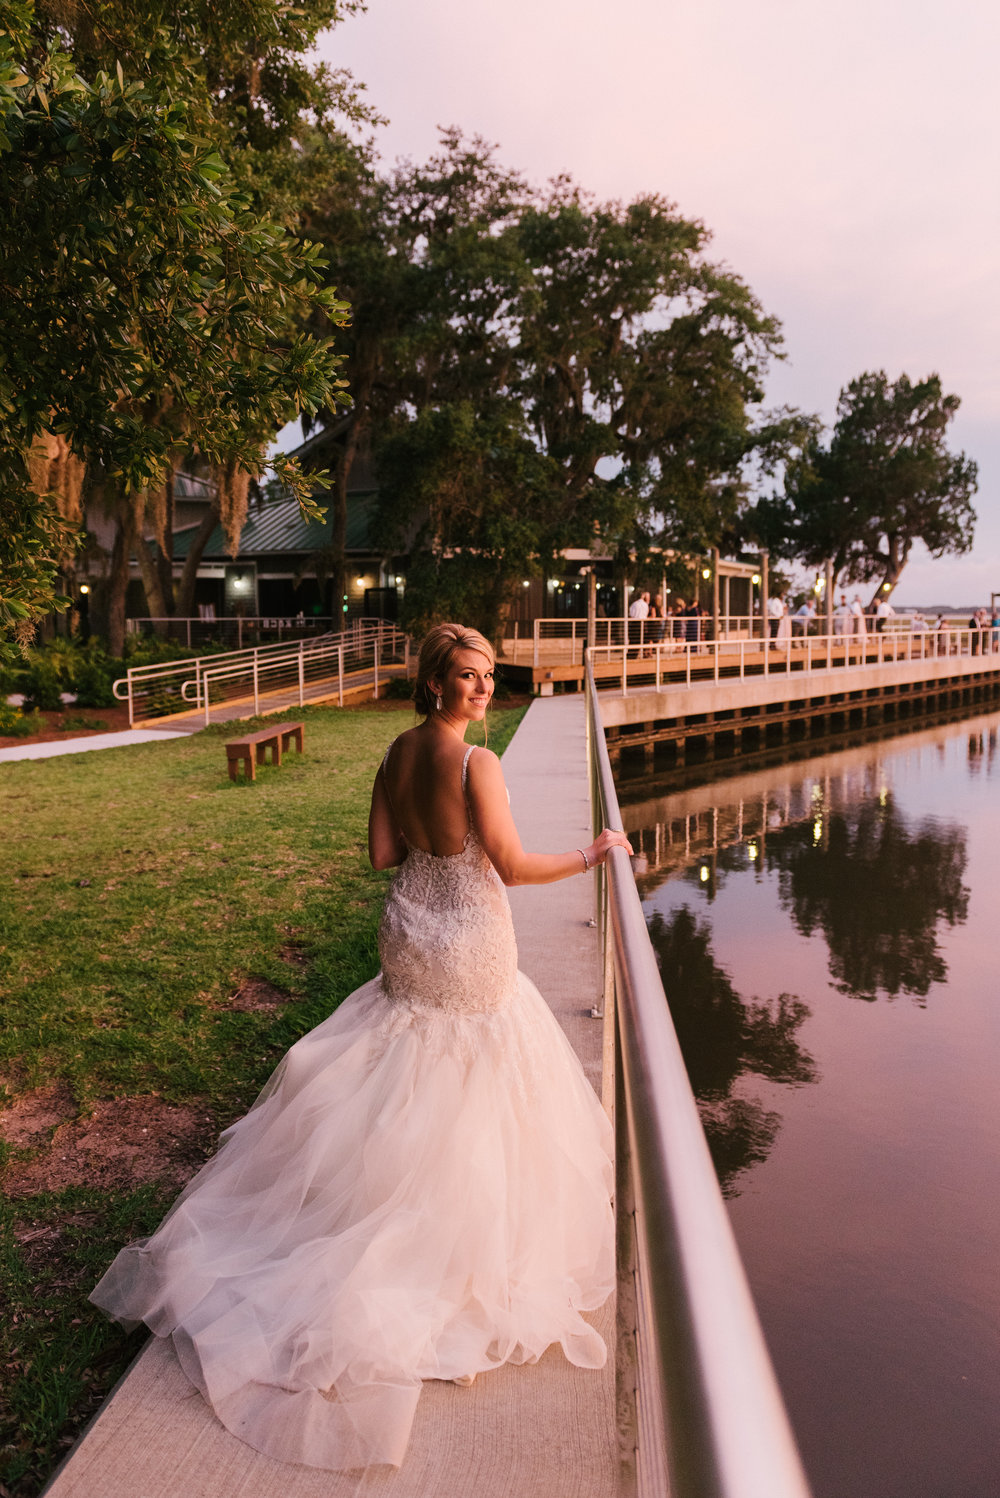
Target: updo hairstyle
{"type": "Point", "coordinates": [436, 655]}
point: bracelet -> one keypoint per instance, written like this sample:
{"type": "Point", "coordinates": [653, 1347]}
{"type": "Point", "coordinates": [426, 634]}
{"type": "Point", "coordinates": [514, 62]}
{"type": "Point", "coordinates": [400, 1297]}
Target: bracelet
{"type": "Point", "coordinates": [586, 860]}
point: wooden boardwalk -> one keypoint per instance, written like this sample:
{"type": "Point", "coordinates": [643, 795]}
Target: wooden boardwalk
{"type": "Point", "coordinates": [546, 1431]}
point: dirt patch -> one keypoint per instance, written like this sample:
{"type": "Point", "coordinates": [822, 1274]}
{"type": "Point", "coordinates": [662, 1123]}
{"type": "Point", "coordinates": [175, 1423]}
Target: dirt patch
{"type": "Point", "coordinates": [115, 718]}
{"type": "Point", "coordinates": [35, 1114]}
{"type": "Point", "coordinates": [122, 1144]}
{"type": "Point", "coordinates": [295, 953]}
{"type": "Point", "coordinates": [258, 996]}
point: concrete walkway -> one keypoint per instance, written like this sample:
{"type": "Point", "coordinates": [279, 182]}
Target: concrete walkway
{"type": "Point", "coordinates": [545, 1431]}
{"type": "Point", "coordinates": [92, 741]}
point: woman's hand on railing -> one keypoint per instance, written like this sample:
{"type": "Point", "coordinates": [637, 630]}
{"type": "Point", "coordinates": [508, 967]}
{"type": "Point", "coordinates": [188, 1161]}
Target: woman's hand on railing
{"type": "Point", "coordinates": [609, 838]}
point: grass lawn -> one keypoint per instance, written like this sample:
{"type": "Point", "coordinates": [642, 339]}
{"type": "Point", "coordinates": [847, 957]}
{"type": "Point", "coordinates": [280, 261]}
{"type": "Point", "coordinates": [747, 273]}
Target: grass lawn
{"type": "Point", "coordinates": [165, 935]}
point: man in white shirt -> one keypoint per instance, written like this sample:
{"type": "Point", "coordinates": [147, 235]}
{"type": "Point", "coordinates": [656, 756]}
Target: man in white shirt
{"type": "Point", "coordinates": [842, 616]}
{"type": "Point", "coordinates": [775, 612]}
{"type": "Point", "coordinates": [884, 611]}
{"type": "Point", "coordinates": [638, 609]}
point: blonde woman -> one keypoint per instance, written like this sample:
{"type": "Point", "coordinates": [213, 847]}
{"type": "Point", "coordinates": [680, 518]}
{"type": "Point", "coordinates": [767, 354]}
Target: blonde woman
{"type": "Point", "coordinates": [422, 1190]}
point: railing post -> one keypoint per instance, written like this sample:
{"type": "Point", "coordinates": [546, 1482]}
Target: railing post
{"type": "Point", "coordinates": [715, 650]}
{"type": "Point", "coordinates": [376, 667]}
{"type": "Point", "coordinates": [256, 687]}
{"type": "Point", "coordinates": [340, 672]}
{"type": "Point", "coordinates": [625, 668]}
{"type": "Point", "coordinates": [302, 676]}
{"type": "Point", "coordinates": [189, 633]}
{"type": "Point", "coordinates": [537, 628]}
{"type": "Point", "coordinates": [204, 688]}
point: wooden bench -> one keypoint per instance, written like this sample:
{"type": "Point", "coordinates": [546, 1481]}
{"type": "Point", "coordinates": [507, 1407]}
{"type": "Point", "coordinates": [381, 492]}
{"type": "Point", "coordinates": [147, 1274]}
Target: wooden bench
{"type": "Point", "coordinates": [250, 750]}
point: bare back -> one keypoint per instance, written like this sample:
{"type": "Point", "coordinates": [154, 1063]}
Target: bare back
{"type": "Point", "coordinates": [423, 778]}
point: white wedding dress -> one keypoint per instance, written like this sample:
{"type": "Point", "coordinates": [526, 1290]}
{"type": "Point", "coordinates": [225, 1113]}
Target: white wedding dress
{"type": "Point", "coordinates": [422, 1190]}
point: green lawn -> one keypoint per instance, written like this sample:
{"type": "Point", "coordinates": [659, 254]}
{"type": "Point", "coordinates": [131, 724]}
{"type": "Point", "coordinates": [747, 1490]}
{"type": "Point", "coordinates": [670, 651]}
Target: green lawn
{"type": "Point", "coordinates": [165, 935]}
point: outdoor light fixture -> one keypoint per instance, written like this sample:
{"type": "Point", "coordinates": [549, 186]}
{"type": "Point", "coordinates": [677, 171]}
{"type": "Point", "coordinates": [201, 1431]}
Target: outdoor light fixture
{"type": "Point", "coordinates": [398, 578]}
{"type": "Point", "coordinates": [886, 587]}
{"type": "Point", "coordinates": [706, 573]}
{"type": "Point", "coordinates": [84, 588]}
{"type": "Point", "coordinates": [756, 579]}
{"type": "Point", "coordinates": [360, 582]}
{"type": "Point", "coordinates": [526, 583]}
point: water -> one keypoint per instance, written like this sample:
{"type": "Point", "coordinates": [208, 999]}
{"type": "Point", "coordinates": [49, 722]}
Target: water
{"type": "Point", "coordinates": [827, 933]}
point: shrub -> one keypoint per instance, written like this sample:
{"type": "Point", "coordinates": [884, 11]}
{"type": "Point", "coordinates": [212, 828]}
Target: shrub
{"type": "Point", "coordinates": [93, 684]}
{"type": "Point", "coordinates": [75, 723]}
{"type": "Point", "coordinates": [42, 687]}
{"type": "Point", "coordinates": [13, 721]}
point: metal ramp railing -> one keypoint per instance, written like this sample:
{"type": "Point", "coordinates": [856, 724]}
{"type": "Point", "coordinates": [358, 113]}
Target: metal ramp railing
{"type": "Point", "coordinates": [700, 1412]}
{"type": "Point", "coordinates": [369, 647]}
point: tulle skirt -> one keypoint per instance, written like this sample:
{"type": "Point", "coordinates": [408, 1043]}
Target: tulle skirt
{"type": "Point", "coordinates": [414, 1195]}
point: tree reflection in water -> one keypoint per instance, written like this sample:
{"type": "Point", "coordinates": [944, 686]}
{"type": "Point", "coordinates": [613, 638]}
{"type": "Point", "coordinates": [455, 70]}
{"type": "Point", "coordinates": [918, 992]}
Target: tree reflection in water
{"type": "Point", "coordinates": [878, 891]}
{"type": "Point", "coordinates": [723, 1036]}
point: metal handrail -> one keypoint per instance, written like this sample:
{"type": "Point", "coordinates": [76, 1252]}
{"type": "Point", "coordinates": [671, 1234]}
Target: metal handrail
{"type": "Point", "coordinates": [566, 637]}
{"type": "Point", "coordinates": [700, 1411]}
{"type": "Point", "coordinates": [321, 653]}
{"type": "Point", "coordinates": [174, 626]}
{"type": "Point", "coordinates": [185, 677]}
{"type": "Point", "coordinates": [679, 663]}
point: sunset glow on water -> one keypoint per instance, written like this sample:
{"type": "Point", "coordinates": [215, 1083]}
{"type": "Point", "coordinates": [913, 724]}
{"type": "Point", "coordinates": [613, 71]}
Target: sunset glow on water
{"type": "Point", "coordinates": [827, 933]}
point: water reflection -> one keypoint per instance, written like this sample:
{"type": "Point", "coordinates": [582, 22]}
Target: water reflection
{"type": "Point", "coordinates": [878, 885]}
{"type": "Point", "coordinates": [879, 889]}
{"type": "Point", "coordinates": [865, 1203]}
{"type": "Point", "coordinates": [983, 752]}
{"type": "Point", "coordinates": [723, 1037]}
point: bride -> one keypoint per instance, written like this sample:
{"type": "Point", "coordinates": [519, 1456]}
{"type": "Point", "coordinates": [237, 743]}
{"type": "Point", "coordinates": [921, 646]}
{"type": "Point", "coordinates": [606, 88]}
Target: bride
{"type": "Point", "coordinates": [422, 1190]}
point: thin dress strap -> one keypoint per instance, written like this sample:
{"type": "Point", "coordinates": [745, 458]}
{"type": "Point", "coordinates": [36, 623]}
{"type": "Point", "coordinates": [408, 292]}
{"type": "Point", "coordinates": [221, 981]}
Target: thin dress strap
{"type": "Point", "coordinates": [465, 770]}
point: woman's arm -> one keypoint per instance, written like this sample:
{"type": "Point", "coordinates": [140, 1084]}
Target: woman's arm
{"type": "Point", "coordinates": [498, 835]}
{"type": "Point", "coordinates": [386, 844]}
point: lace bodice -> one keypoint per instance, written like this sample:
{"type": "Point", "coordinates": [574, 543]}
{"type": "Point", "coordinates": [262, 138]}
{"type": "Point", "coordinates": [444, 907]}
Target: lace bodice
{"type": "Point", "coordinates": [446, 939]}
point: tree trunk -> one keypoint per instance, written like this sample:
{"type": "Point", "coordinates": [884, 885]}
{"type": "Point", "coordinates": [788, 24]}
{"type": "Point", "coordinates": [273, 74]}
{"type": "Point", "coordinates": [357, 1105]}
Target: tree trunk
{"type": "Point", "coordinates": [151, 581]}
{"type": "Point", "coordinates": [118, 582]}
{"type": "Point", "coordinates": [165, 559]}
{"type": "Point", "coordinates": [899, 553]}
{"type": "Point", "coordinates": [185, 588]}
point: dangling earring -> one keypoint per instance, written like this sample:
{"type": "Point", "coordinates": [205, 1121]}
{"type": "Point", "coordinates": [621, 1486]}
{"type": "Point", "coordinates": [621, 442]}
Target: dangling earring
{"type": "Point", "coordinates": [439, 704]}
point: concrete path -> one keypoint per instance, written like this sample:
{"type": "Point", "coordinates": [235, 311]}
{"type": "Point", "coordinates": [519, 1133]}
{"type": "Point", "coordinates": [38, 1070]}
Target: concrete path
{"type": "Point", "coordinates": [92, 741]}
{"type": "Point", "coordinates": [545, 1431]}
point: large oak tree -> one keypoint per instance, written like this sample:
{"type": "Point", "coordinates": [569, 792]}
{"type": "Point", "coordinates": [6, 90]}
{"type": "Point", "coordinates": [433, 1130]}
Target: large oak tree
{"type": "Point", "coordinates": [886, 480]}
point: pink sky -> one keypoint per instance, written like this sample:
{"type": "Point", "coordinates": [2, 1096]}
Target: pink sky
{"type": "Point", "coordinates": [846, 157]}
